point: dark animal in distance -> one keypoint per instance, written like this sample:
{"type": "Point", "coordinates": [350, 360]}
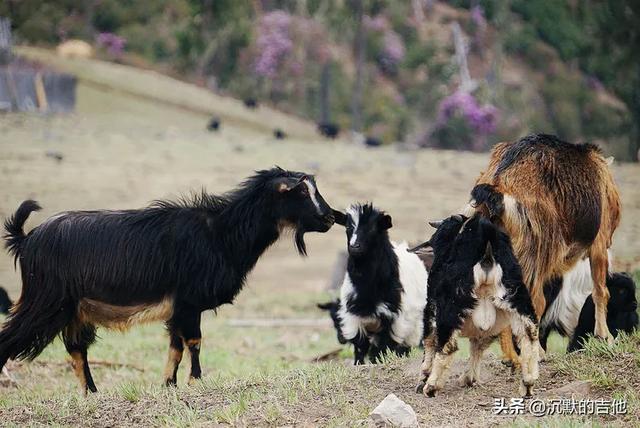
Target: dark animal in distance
{"type": "Point", "coordinates": [475, 290]}
{"type": "Point", "coordinates": [214, 124]}
{"type": "Point", "coordinates": [329, 129]}
{"type": "Point", "coordinates": [170, 262]}
{"type": "Point", "coordinates": [558, 203]}
{"type": "Point", "coordinates": [279, 134]}
{"type": "Point", "coordinates": [383, 293]}
{"type": "Point", "coordinates": [250, 103]}
{"type": "Point", "coordinates": [5, 301]}
{"type": "Point", "coordinates": [622, 309]}
{"type": "Point", "coordinates": [372, 142]}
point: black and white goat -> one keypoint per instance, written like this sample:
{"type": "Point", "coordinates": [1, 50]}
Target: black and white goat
{"type": "Point", "coordinates": [570, 309]}
{"type": "Point", "coordinates": [475, 290]}
{"type": "Point", "coordinates": [170, 262]}
{"type": "Point", "coordinates": [383, 295]}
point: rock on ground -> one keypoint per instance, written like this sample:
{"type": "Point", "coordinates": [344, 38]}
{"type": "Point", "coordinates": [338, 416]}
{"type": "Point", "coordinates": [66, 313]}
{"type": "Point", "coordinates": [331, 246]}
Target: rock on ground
{"type": "Point", "coordinates": [394, 412]}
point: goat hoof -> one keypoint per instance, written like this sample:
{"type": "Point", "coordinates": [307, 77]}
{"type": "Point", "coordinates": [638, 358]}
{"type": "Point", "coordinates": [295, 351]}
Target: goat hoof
{"type": "Point", "coordinates": [466, 381]}
{"type": "Point", "coordinates": [526, 391]}
{"type": "Point", "coordinates": [170, 382]}
{"type": "Point", "coordinates": [420, 386]}
{"type": "Point", "coordinates": [430, 390]}
{"type": "Point", "coordinates": [609, 338]}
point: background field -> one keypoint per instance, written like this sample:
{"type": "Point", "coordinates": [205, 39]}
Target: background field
{"type": "Point", "coordinates": [139, 136]}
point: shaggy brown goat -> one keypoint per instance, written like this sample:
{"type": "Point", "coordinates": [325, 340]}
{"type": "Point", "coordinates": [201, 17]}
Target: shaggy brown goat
{"type": "Point", "coordinates": [558, 203]}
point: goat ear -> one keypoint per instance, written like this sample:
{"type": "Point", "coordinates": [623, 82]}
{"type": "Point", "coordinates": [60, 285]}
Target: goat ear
{"type": "Point", "coordinates": [285, 184]}
{"type": "Point", "coordinates": [385, 222]}
{"type": "Point", "coordinates": [340, 217]}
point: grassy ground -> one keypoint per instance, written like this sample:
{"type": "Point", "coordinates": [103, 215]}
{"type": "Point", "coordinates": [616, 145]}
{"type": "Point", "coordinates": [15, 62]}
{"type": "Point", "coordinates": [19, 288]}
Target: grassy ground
{"type": "Point", "coordinates": [122, 150]}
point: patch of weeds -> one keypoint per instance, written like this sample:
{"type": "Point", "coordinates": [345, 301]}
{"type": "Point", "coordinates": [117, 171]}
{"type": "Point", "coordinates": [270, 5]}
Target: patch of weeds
{"type": "Point", "coordinates": [232, 413]}
{"type": "Point", "coordinates": [130, 391]}
{"type": "Point", "coordinates": [272, 413]}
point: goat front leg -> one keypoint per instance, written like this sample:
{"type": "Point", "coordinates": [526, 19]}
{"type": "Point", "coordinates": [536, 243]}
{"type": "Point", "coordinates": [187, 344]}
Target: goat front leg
{"type": "Point", "coordinates": [526, 332]}
{"type": "Point", "coordinates": [176, 349]}
{"type": "Point", "coordinates": [429, 344]}
{"type": "Point", "coordinates": [361, 346]}
{"type": "Point", "coordinates": [441, 362]}
{"type": "Point", "coordinates": [193, 339]}
{"type": "Point", "coordinates": [509, 355]}
{"type": "Point", "coordinates": [478, 346]}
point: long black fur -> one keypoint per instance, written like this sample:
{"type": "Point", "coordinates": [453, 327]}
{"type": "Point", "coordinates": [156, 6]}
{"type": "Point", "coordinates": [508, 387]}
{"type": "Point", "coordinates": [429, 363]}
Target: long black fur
{"type": "Point", "coordinates": [197, 251]}
{"type": "Point", "coordinates": [5, 301]}
{"type": "Point", "coordinates": [459, 244]}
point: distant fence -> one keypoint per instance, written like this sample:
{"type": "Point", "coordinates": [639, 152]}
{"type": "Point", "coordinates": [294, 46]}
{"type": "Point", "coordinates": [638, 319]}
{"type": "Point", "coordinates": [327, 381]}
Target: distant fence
{"type": "Point", "coordinates": [33, 90]}
{"type": "Point", "coordinates": [27, 86]}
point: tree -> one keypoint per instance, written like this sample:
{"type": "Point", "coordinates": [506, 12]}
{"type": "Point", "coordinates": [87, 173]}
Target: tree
{"type": "Point", "coordinates": [615, 58]}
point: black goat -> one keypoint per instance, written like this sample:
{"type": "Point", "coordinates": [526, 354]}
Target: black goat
{"type": "Point", "coordinates": [329, 129]}
{"type": "Point", "coordinates": [170, 262]}
{"type": "Point", "coordinates": [475, 290]}
{"type": "Point", "coordinates": [5, 301]}
{"type": "Point", "coordinates": [383, 295]}
{"type": "Point", "coordinates": [279, 134]}
{"type": "Point", "coordinates": [372, 142]}
{"type": "Point", "coordinates": [250, 103]}
{"type": "Point", "coordinates": [566, 315]}
{"type": "Point", "coordinates": [214, 124]}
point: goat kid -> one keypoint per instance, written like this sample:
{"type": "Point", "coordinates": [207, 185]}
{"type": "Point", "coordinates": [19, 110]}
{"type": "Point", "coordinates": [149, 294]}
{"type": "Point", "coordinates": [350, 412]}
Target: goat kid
{"type": "Point", "coordinates": [571, 308]}
{"type": "Point", "coordinates": [475, 290]}
{"type": "Point", "coordinates": [170, 262]}
{"type": "Point", "coordinates": [383, 295]}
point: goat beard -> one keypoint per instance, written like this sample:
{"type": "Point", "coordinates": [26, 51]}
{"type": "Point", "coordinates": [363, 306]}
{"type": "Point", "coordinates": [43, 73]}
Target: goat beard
{"type": "Point", "coordinates": [299, 240]}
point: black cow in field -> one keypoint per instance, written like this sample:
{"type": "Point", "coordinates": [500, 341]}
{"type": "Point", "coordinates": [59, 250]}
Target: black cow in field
{"type": "Point", "coordinates": [329, 129]}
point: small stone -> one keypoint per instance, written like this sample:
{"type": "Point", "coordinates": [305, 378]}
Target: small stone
{"type": "Point", "coordinates": [393, 412]}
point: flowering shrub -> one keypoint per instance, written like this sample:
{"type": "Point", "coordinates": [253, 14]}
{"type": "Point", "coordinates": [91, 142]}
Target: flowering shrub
{"type": "Point", "coordinates": [482, 119]}
{"type": "Point", "coordinates": [112, 43]}
{"type": "Point", "coordinates": [274, 43]}
{"type": "Point", "coordinates": [463, 123]}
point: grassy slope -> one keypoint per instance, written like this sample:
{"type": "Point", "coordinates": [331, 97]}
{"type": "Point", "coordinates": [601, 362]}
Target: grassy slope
{"type": "Point", "coordinates": [122, 151]}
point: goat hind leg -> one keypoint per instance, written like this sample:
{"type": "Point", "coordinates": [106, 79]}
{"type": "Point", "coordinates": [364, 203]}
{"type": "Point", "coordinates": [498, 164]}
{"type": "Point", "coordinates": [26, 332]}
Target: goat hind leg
{"type": "Point", "coordinates": [599, 266]}
{"type": "Point", "coordinates": [77, 338]}
{"type": "Point", "coordinates": [441, 362]}
{"type": "Point", "coordinates": [526, 332]}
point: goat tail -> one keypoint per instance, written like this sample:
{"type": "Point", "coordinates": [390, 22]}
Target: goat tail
{"type": "Point", "coordinates": [35, 320]}
{"type": "Point", "coordinates": [14, 226]}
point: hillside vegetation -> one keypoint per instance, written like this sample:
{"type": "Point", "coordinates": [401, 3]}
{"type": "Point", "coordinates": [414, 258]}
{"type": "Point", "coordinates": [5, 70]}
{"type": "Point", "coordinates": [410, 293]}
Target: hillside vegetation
{"type": "Point", "coordinates": [385, 67]}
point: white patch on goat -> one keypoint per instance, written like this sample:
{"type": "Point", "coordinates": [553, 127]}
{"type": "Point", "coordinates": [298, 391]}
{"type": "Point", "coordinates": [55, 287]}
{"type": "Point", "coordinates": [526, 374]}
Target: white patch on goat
{"type": "Point", "coordinates": [407, 324]}
{"type": "Point", "coordinates": [487, 289]}
{"type": "Point", "coordinates": [349, 324]}
{"type": "Point", "coordinates": [577, 285]}
{"type": "Point", "coordinates": [354, 212]}
{"type": "Point", "coordinates": [407, 327]}
{"type": "Point", "coordinates": [312, 195]}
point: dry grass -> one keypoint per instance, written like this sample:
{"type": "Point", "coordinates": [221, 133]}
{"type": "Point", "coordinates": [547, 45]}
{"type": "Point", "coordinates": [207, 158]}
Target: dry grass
{"type": "Point", "coordinates": [121, 151]}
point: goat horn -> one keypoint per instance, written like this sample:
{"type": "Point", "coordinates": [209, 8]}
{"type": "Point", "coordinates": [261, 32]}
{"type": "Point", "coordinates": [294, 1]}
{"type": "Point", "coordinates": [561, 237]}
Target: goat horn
{"type": "Point", "coordinates": [435, 224]}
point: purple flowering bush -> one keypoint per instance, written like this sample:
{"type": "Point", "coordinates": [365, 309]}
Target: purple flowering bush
{"type": "Point", "coordinates": [273, 43]}
{"type": "Point", "coordinates": [463, 123]}
{"type": "Point", "coordinates": [112, 43]}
